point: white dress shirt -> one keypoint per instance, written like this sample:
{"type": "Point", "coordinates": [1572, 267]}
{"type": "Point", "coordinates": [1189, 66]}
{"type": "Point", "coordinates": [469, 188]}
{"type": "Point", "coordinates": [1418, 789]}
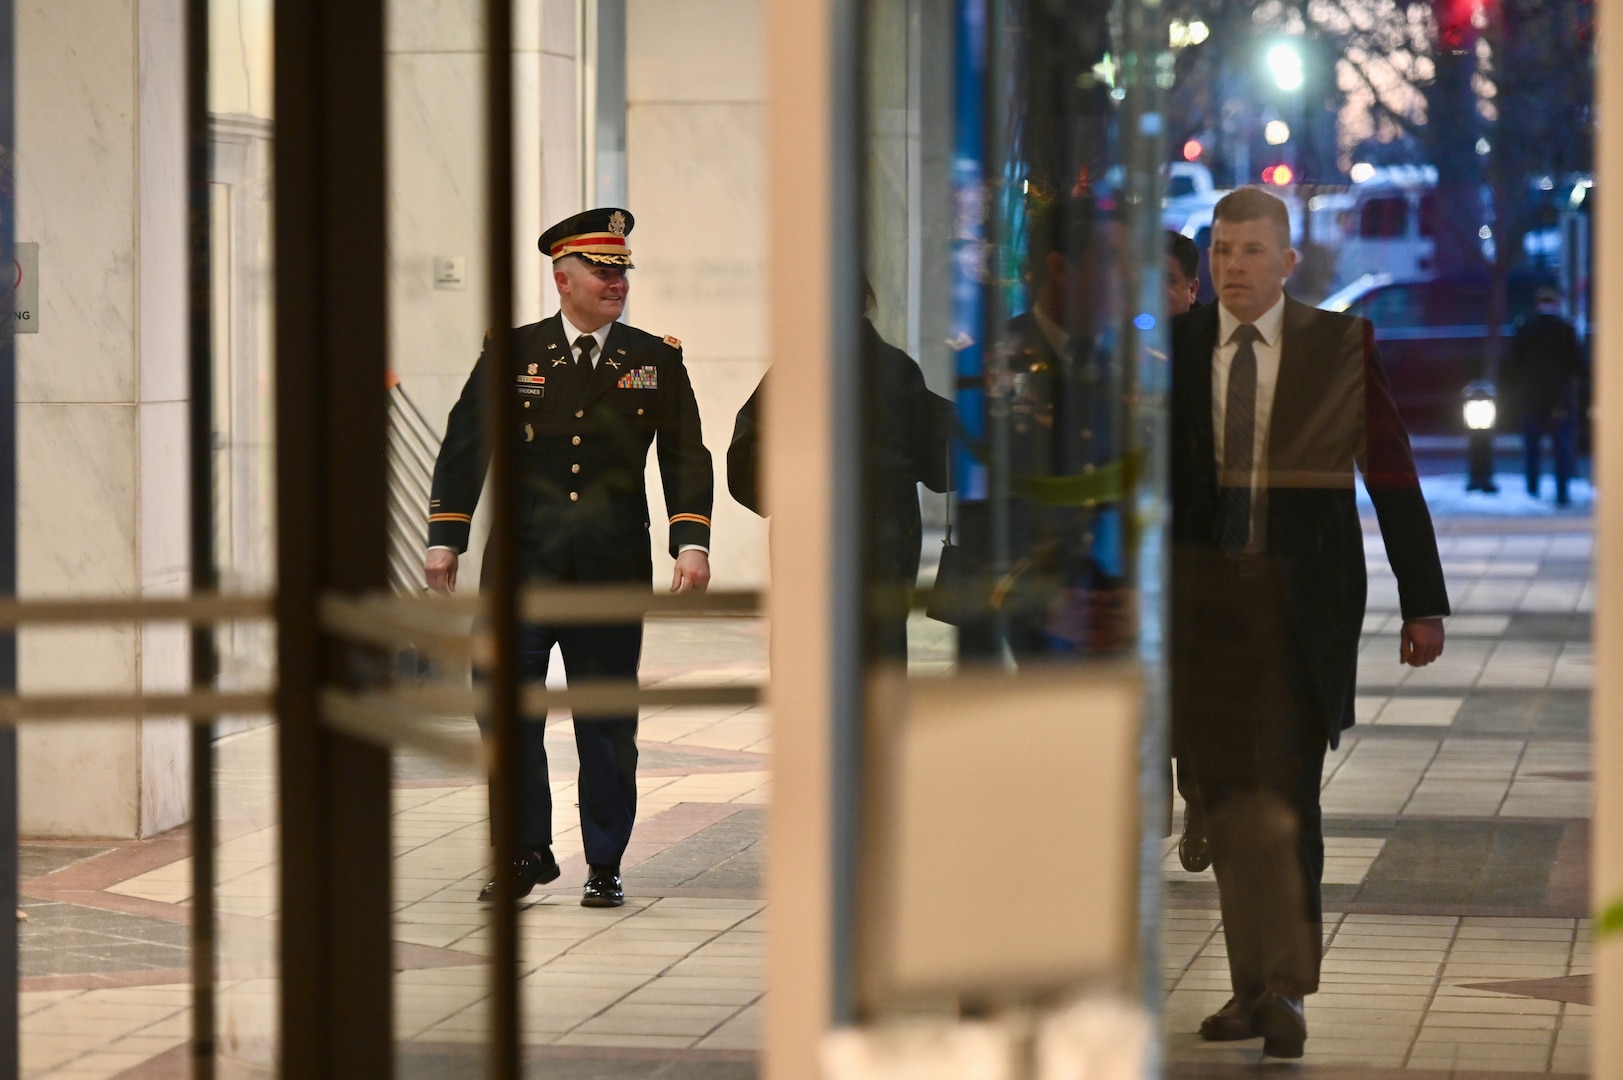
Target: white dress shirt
{"type": "Point", "coordinates": [1271, 328]}
{"type": "Point", "coordinates": [601, 334]}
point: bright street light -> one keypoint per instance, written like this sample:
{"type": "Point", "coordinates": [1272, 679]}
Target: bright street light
{"type": "Point", "coordinates": [1361, 172]}
{"type": "Point", "coordinates": [1286, 64]}
{"type": "Point", "coordinates": [1277, 132]}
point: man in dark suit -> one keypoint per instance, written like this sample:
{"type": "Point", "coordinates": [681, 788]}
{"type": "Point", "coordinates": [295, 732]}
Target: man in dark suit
{"type": "Point", "coordinates": [909, 447]}
{"type": "Point", "coordinates": [1274, 406]}
{"type": "Point", "coordinates": [1545, 369]}
{"type": "Point", "coordinates": [589, 396]}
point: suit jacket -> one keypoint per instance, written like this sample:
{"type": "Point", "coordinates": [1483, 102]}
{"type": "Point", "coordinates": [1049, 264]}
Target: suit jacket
{"type": "Point", "coordinates": [1546, 365]}
{"type": "Point", "coordinates": [582, 454]}
{"type": "Point", "coordinates": [1332, 412]}
{"type": "Point", "coordinates": [909, 448]}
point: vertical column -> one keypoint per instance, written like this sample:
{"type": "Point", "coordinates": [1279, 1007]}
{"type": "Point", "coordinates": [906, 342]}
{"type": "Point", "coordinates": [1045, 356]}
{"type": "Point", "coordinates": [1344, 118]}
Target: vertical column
{"type": "Point", "coordinates": [813, 229]}
{"type": "Point", "coordinates": [10, 1064]}
{"type": "Point", "coordinates": [1606, 715]}
{"type": "Point", "coordinates": [695, 113]}
{"type": "Point", "coordinates": [331, 361]}
{"type": "Point", "coordinates": [205, 579]}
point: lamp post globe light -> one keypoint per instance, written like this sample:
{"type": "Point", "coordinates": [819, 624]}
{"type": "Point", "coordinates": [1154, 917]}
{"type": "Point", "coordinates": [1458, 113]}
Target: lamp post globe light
{"type": "Point", "coordinates": [1285, 63]}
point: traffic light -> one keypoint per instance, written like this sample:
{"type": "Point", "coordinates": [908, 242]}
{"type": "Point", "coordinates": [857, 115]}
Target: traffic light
{"type": "Point", "coordinates": [1278, 175]}
{"type": "Point", "coordinates": [1192, 150]}
{"type": "Point", "coordinates": [1456, 22]}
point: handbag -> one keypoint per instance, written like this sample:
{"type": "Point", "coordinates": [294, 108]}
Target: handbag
{"type": "Point", "coordinates": [949, 600]}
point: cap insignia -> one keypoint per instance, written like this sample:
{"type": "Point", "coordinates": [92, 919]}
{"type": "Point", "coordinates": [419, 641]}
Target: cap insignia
{"type": "Point", "coordinates": [617, 223]}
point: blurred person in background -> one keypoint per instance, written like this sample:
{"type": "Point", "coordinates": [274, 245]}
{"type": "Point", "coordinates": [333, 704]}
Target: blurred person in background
{"type": "Point", "coordinates": [910, 446]}
{"type": "Point", "coordinates": [1544, 373]}
{"type": "Point", "coordinates": [1183, 273]}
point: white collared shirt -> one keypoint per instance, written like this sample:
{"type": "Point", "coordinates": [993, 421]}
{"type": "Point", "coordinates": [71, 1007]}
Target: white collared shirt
{"type": "Point", "coordinates": [1271, 328]}
{"type": "Point", "coordinates": [601, 334]}
{"type": "Point", "coordinates": [1058, 338]}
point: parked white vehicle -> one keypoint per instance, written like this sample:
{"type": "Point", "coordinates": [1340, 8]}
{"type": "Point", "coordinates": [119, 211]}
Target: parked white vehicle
{"type": "Point", "coordinates": [1389, 224]}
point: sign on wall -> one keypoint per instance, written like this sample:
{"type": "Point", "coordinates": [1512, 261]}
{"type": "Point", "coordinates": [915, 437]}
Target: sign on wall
{"type": "Point", "coordinates": [25, 289]}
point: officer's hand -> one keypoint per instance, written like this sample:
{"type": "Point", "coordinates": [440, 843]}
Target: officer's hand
{"type": "Point", "coordinates": [692, 572]}
{"type": "Point", "coordinates": [439, 566]}
{"type": "Point", "coordinates": [1422, 642]}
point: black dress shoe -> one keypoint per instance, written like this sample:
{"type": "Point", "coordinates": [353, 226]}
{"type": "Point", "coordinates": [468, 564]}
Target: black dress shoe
{"type": "Point", "coordinates": [1194, 848]}
{"type": "Point", "coordinates": [603, 888]}
{"type": "Point", "coordinates": [1282, 1024]}
{"type": "Point", "coordinates": [1231, 1023]}
{"type": "Point", "coordinates": [536, 868]}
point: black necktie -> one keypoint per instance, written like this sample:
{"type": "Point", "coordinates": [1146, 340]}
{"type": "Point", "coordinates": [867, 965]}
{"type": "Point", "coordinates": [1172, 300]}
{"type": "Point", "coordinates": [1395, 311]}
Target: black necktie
{"type": "Point", "coordinates": [1239, 441]}
{"type": "Point", "coordinates": [583, 365]}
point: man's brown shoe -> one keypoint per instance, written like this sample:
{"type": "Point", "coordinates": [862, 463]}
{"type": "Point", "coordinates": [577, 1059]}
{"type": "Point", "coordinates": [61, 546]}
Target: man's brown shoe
{"type": "Point", "coordinates": [1282, 1024]}
{"type": "Point", "coordinates": [1231, 1023]}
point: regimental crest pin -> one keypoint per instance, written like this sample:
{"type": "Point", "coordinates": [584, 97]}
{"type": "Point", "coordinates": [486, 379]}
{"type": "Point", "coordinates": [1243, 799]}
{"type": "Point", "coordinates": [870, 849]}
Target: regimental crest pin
{"type": "Point", "coordinates": [617, 223]}
{"type": "Point", "coordinates": [533, 368]}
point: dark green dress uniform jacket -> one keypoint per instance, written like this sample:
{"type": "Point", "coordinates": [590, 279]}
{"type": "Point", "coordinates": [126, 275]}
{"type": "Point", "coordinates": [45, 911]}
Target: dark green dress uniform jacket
{"type": "Point", "coordinates": [582, 451]}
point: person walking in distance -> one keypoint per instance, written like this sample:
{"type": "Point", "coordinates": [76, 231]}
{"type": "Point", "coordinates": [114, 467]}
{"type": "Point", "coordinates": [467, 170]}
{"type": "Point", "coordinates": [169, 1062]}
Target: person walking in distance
{"type": "Point", "coordinates": [589, 396]}
{"type": "Point", "coordinates": [1546, 367]}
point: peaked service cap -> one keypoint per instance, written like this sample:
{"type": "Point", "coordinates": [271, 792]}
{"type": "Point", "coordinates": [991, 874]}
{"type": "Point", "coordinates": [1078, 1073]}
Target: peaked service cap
{"type": "Point", "coordinates": [598, 236]}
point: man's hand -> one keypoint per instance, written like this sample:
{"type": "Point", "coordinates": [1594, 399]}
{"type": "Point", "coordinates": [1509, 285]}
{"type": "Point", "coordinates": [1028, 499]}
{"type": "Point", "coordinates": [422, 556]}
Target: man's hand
{"type": "Point", "coordinates": [692, 572]}
{"type": "Point", "coordinates": [439, 566]}
{"type": "Point", "coordinates": [1422, 642]}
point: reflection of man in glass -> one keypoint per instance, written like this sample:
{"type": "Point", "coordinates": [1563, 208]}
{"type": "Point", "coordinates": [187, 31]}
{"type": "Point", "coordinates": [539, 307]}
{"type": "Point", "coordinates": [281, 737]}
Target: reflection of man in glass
{"type": "Point", "coordinates": [1274, 404]}
{"type": "Point", "coordinates": [1054, 384]}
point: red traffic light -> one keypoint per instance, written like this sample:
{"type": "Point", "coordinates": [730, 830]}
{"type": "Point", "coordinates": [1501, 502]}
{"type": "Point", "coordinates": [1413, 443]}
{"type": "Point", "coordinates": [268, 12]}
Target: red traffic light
{"type": "Point", "coordinates": [1278, 175]}
{"type": "Point", "coordinates": [1192, 150]}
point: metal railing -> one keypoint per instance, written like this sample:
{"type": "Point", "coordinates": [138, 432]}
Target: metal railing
{"type": "Point", "coordinates": [413, 448]}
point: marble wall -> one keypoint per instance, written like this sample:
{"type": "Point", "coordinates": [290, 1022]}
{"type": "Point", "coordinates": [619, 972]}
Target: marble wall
{"type": "Point", "coordinates": [101, 389]}
{"type": "Point", "coordinates": [436, 184]}
{"type": "Point", "coordinates": [696, 162]}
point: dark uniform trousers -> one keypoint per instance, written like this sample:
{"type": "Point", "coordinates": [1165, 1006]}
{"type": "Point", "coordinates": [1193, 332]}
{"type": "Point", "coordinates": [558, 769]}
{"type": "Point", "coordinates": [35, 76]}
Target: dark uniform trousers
{"type": "Point", "coordinates": [606, 745]}
{"type": "Point", "coordinates": [582, 518]}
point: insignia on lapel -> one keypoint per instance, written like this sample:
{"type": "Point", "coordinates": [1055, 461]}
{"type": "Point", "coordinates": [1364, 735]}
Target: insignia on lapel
{"type": "Point", "coordinates": [615, 364]}
{"type": "Point", "coordinates": [558, 361]}
{"type": "Point", "coordinates": [675, 343]}
{"type": "Point", "coordinates": [617, 223]}
{"type": "Point", "coordinates": [640, 378]}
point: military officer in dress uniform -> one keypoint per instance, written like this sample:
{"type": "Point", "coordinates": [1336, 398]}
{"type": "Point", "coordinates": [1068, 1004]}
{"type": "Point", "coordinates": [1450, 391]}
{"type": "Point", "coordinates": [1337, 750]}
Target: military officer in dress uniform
{"type": "Point", "coordinates": [589, 395]}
